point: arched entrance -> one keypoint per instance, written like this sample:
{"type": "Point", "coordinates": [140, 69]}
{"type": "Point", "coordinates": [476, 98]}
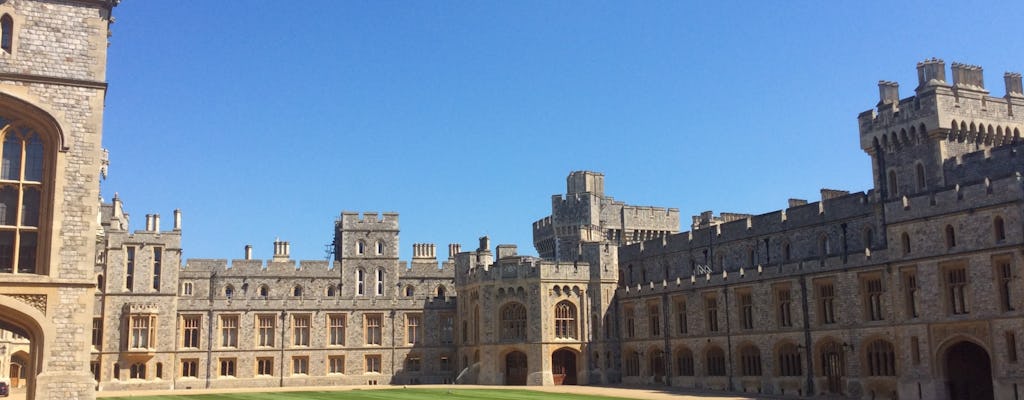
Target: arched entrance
{"type": "Point", "coordinates": [968, 372]}
{"type": "Point", "coordinates": [657, 365]}
{"type": "Point", "coordinates": [833, 367]}
{"type": "Point", "coordinates": [24, 364]}
{"type": "Point", "coordinates": [563, 367]}
{"type": "Point", "coordinates": [515, 368]}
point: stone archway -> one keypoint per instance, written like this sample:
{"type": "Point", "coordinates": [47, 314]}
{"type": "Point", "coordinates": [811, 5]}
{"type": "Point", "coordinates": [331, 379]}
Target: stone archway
{"type": "Point", "coordinates": [833, 367]}
{"type": "Point", "coordinates": [515, 368]}
{"type": "Point", "coordinates": [656, 363]}
{"type": "Point", "coordinates": [968, 372]}
{"type": "Point", "coordinates": [563, 367]}
{"type": "Point", "coordinates": [24, 367]}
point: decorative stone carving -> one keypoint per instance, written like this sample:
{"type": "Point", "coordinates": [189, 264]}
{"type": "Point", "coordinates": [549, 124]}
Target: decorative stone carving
{"type": "Point", "coordinates": [37, 301]}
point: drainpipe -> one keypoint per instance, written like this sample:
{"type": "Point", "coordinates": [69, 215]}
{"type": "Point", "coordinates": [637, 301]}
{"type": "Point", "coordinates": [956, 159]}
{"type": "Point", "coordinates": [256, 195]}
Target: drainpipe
{"type": "Point", "coordinates": [728, 335]}
{"type": "Point", "coordinates": [209, 328]}
{"type": "Point", "coordinates": [280, 379]}
{"type": "Point", "coordinates": [666, 360]}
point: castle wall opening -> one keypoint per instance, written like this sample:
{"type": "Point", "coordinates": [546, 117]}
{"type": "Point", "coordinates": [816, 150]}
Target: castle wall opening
{"type": "Point", "coordinates": [515, 369]}
{"type": "Point", "coordinates": [968, 372]}
{"type": "Point", "coordinates": [563, 367]}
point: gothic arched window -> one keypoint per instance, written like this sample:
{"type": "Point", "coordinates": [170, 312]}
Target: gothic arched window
{"type": "Point", "coordinates": [22, 197]}
{"type": "Point", "coordinates": [565, 320]}
{"type": "Point", "coordinates": [513, 322]}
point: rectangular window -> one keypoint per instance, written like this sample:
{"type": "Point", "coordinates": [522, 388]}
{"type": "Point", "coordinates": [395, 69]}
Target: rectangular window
{"type": "Point", "coordinates": [910, 283]}
{"type": "Point", "coordinates": [681, 322]}
{"type": "Point", "coordinates": [129, 281]}
{"type": "Point", "coordinates": [227, 367]}
{"type": "Point", "coordinates": [336, 364]}
{"type": "Point", "coordinates": [747, 310]}
{"type": "Point", "coordinates": [711, 311]}
{"type": "Point", "coordinates": [915, 350]}
{"type": "Point", "coordinates": [97, 333]}
{"type": "Point", "coordinates": [157, 261]}
{"type": "Point", "coordinates": [827, 303]}
{"type": "Point", "coordinates": [1011, 346]}
{"type": "Point", "coordinates": [1004, 270]}
{"type": "Point", "coordinates": [265, 366]}
{"type": "Point", "coordinates": [229, 331]}
{"type": "Point", "coordinates": [956, 283]}
{"type": "Point", "coordinates": [336, 327]}
{"type": "Point", "coordinates": [654, 320]}
{"type": "Point", "coordinates": [190, 331]}
{"type": "Point", "coordinates": [300, 330]}
{"type": "Point", "coordinates": [413, 364]}
{"type": "Point", "coordinates": [447, 329]}
{"type": "Point", "coordinates": [188, 368]}
{"type": "Point", "coordinates": [785, 307]}
{"type": "Point", "coordinates": [412, 325]}
{"type": "Point", "coordinates": [380, 282]}
{"type": "Point", "coordinates": [373, 363]}
{"type": "Point", "coordinates": [373, 329]}
{"type": "Point", "coordinates": [265, 326]}
{"type": "Point", "coordinates": [446, 364]}
{"type": "Point", "coordinates": [300, 365]}
{"type": "Point", "coordinates": [630, 323]}
{"type": "Point", "coordinates": [143, 331]}
{"type": "Point", "coordinates": [873, 298]}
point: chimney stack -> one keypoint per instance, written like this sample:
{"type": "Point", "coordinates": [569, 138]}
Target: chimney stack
{"type": "Point", "coordinates": [1013, 84]}
{"type": "Point", "coordinates": [177, 219]}
{"type": "Point", "coordinates": [888, 94]}
{"type": "Point", "coordinates": [931, 73]}
{"type": "Point", "coordinates": [281, 250]}
{"type": "Point", "coordinates": [156, 223]}
{"type": "Point", "coordinates": [969, 77]}
{"type": "Point", "coordinates": [149, 222]}
{"type": "Point", "coordinates": [248, 252]}
{"type": "Point", "coordinates": [485, 243]}
{"type": "Point", "coordinates": [454, 249]}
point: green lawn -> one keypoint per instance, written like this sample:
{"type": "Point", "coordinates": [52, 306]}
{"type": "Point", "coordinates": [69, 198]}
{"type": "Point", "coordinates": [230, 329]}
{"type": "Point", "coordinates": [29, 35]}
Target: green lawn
{"type": "Point", "coordinates": [385, 394]}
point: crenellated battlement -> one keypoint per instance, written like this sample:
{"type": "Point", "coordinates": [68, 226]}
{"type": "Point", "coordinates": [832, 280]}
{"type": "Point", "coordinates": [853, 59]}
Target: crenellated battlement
{"type": "Point", "coordinates": [987, 163]}
{"type": "Point", "coordinates": [961, 111]}
{"type": "Point", "coordinates": [368, 220]}
{"type": "Point", "coordinates": [242, 267]}
{"type": "Point", "coordinates": [975, 194]}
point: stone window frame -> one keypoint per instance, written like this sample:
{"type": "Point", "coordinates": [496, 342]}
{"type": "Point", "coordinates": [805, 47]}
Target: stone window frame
{"type": "Point", "coordinates": [189, 368]}
{"type": "Point", "coordinates": [872, 288]}
{"type": "Point", "coordinates": [684, 362]}
{"type": "Point", "coordinates": [783, 296]}
{"type": "Point", "coordinates": [825, 296]}
{"type": "Point", "coordinates": [447, 328]}
{"type": "Point", "coordinates": [908, 277]}
{"type": "Point", "coordinates": [654, 326]}
{"type": "Point", "coordinates": [880, 358]}
{"type": "Point", "coordinates": [750, 362]}
{"type": "Point", "coordinates": [413, 362]}
{"type": "Point", "coordinates": [629, 314]}
{"type": "Point", "coordinates": [97, 333]}
{"type": "Point", "coordinates": [372, 363]}
{"type": "Point", "coordinates": [228, 327]}
{"type": "Point", "coordinates": [513, 320]}
{"type": "Point", "coordinates": [789, 360]}
{"type": "Point", "coordinates": [413, 328]}
{"type": "Point", "coordinates": [711, 312]}
{"type": "Point", "coordinates": [266, 328]}
{"type": "Point", "coordinates": [714, 358]}
{"type": "Point", "coordinates": [302, 325]}
{"type": "Point", "coordinates": [264, 366]}
{"type": "Point", "coordinates": [191, 331]}
{"type": "Point", "coordinates": [187, 288]}
{"type": "Point", "coordinates": [228, 367]}
{"type": "Point", "coordinates": [373, 327]}
{"type": "Point", "coordinates": [745, 307]}
{"type": "Point", "coordinates": [999, 228]}
{"type": "Point", "coordinates": [137, 371]}
{"type": "Point", "coordinates": [129, 268]}
{"type": "Point", "coordinates": [8, 33]}
{"type": "Point", "coordinates": [681, 320]}
{"type": "Point", "coordinates": [337, 329]}
{"type": "Point", "coordinates": [1005, 274]}
{"type": "Point", "coordinates": [142, 336]}
{"type": "Point", "coordinates": [565, 319]}
{"type": "Point", "coordinates": [379, 283]}
{"type": "Point", "coordinates": [336, 364]}
{"type": "Point", "coordinates": [360, 282]}
{"type": "Point", "coordinates": [956, 283]}
{"type": "Point", "coordinates": [300, 365]}
{"type": "Point", "coordinates": [950, 236]}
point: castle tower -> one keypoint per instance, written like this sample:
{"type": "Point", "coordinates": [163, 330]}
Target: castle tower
{"type": "Point", "coordinates": [52, 85]}
{"type": "Point", "coordinates": [913, 142]}
{"type": "Point", "coordinates": [367, 247]}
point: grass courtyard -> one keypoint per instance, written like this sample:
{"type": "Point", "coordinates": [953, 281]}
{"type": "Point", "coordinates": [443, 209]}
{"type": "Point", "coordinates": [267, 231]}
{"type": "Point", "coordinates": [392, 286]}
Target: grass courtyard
{"type": "Point", "coordinates": [386, 394]}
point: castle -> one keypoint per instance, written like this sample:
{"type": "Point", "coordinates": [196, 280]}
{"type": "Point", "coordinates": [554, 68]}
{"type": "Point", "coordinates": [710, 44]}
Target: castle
{"type": "Point", "coordinates": [908, 290]}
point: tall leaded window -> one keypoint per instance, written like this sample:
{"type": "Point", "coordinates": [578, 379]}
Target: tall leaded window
{"type": "Point", "coordinates": [750, 361]}
{"type": "Point", "coordinates": [336, 325]}
{"type": "Point", "coordinates": [412, 325]}
{"type": "Point", "coordinates": [747, 310]}
{"type": "Point", "coordinates": [129, 273]}
{"type": "Point", "coordinates": [684, 362]}
{"type": "Point", "coordinates": [266, 326]}
{"type": "Point", "coordinates": [565, 320]}
{"type": "Point", "coordinates": [300, 330]}
{"type": "Point", "coordinates": [956, 283]}
{"type": "Point", "coordinates": [513, 322]}
{"type": "Point", "coordinates": [7, 33]}
{"type": "Point", "coordinates": [380, 282]}
{"type": "Point", "coordinates": [654, 320]}
{"type": "Point", "coordinates": [21, 196]}
{"type": "Point", "coordinates": [157, 263]}
{"type": "Point", "coordinates": [143, 331]}
{"type": "Point", "coordinates": [873, 305]}
{"type": "Point", "coordinates": [789, 361]}
{"type": "Point", "coordinates": [784, 301]}
{"type": "Point", "coordinates": [715, 361]}
{"type": "Point", "coordinates": [827, 303]}
{"type": "Point", "coordinates": [373, 329]}
{"type": "Point", "coordinates": [360, 282]}
{"type": "Point", "coordinates": [881, 359]}
{"type": "Point", "coordinates": [190, 331]}
{"type": "Point", "coordinates": [229, 331]}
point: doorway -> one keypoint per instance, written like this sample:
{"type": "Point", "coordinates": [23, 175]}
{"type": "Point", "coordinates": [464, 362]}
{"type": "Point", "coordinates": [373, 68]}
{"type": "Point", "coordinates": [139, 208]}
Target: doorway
{"type": "Point", "coordinates": [968, 372]}
{"type": "Point", "coordinates": [515, 368]}
{"type": "Point", "coordinates": [833, 367]}
{"type": "Point", "coordinates": [563, 367]}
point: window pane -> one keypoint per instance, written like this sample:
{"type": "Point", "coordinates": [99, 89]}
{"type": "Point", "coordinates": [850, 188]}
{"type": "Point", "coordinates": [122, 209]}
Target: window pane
{"type": "Point", "coordinates": [9, 205]}
{"type": "Point", "coordinates": [34, 159]}
{"type": "Point", "coordinates": [6, 251]}
{"type": "Point", "coordinates": [11, 168]}
{"type": "Point", "coordinates": [27, 253]}
{"type": "Point", "coordinates": [30, 207]}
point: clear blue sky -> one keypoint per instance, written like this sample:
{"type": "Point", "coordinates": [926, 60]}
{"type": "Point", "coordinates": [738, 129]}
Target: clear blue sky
{"type": "Point", "coordinates": [266, 119]}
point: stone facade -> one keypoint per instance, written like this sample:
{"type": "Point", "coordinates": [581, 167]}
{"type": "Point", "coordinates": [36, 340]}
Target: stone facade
{"type": "Point", "coordinates": [52, 88]}
{"type": "Point", "coordinates": [910, 290]}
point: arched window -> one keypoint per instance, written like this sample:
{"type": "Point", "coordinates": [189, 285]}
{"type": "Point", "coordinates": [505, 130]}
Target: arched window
{"type": "Point", "coordinates": [869, 237]}
{"type": "Point", "coordinates": [159, 370]}
{"type": "Point", "coordinates": [186, 288]}
{"type": "Point", "coordinates": [715, 361]}
{"type": "Point", "coordinates": [264, 291]}
{"type": "Point", "coordinates": [229, 291]}
{"type": "Point", "coordinates": [380, 247]}
{"type": "Point", "coordinates": [905, 241]}
{"type": "Point", "coordinates": [297, 291]}
{"type": "Point", "coordinates": [893, 187]}
{"type": "Point", "coordinates": [824, 246]}
{"type": "Point", "coordinates": [684, 362]}
{"type": "Point", "coordinates": [99, 283]}
{"type": "Point", "coordinates": [7, 33]}
{"type": "Point", "coordinates": [632, 367]}
{"type": "Point", "coordinates": [360, 282]}
{"type": "Point", "coordinates": [22, 194]}
{"type": "Point", "coordinates": [1000, 228]}
{"type": "Point", "coordinates": [380, 282]}
{"type": "Point", "coordinates": [750, 361]}
{"type": "Point", "coordinates": [789, 361]}
{"type": "Point", "coordinates": [950, 237]}
{"type": "Point", "coordinates": [441, 292]}
{"type": "Point", "coordinates": [881, 359]}
{"type": "Point", "coordinates": [138, 371]}
{"type": "Point", "coordinates": [117, 371]}
{"type": "Point", "coordinates": [785, 251]}
{"type": "Point", "coordinates": [565, 320]}
{"type": "Point", "coordinates": [409, 291]}
{"type": "Point", "coordinates": [513, 322]}
{"type": "Point", "coordinates": [360, 247]}
{"type": "Point", "coordinates": [332, 291]}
